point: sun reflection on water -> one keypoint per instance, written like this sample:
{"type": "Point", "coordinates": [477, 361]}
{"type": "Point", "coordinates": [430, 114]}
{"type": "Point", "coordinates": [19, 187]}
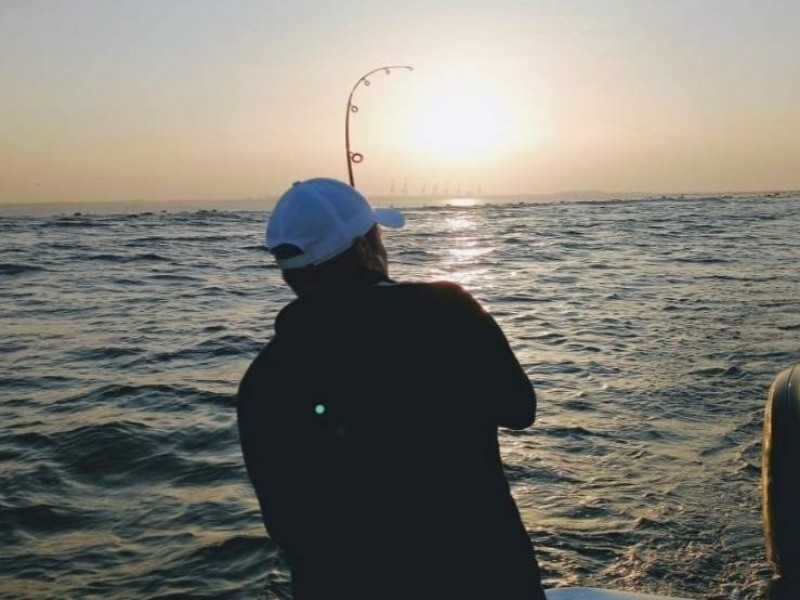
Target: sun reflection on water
{"type": "Point", "coordinates": [462, 261]}
{"type": "Point", "coordinates": [463, 202]}
{"type": "Point", "coordinates": [460, 223]}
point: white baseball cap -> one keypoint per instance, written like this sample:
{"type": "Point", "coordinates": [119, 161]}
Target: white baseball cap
{"type": "Point", "coordinates": [323, 217]}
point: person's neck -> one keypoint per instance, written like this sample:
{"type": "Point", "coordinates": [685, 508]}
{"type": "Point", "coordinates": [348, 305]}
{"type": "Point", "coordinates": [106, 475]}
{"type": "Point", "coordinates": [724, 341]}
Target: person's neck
{"type": "Point", "coordinates": [360, 277]}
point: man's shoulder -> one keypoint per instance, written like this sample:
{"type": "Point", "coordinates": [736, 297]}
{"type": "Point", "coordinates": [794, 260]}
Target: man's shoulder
{"type": "Point", "coordinates": [314, 312]}
{"type": "Point", "coordinates": [290, 313]}
{"type": "Point", "coordinates": [434, 288]}
{"type": "Point", "coordinates": [447, 293]}
{"type": "Point", "coordinates": [444, 287]}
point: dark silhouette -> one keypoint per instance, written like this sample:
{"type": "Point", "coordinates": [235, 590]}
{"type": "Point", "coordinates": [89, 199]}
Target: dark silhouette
{"type": "Point", "coordinates": [369, 422]}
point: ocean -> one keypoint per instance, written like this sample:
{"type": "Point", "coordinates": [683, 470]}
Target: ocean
{"type": "Point", "coordinates": [650, 328]}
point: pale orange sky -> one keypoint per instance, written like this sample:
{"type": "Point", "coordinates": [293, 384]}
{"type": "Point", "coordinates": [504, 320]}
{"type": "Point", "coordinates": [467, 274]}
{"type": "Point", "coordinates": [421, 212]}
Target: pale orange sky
{"type": "Point", "coordinates": [105, 101]}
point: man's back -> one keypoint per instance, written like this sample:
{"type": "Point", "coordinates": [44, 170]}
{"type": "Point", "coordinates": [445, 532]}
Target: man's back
{"type": "Point", "coordinates": [368, 427]}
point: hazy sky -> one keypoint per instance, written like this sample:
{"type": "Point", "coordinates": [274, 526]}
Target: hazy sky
{"type": "Point", "coordinates": [119, 100]}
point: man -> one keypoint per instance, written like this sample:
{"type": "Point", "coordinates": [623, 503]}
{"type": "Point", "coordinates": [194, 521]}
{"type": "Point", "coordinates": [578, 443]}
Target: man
{"type": "Point", "coordinates": [369, 422]}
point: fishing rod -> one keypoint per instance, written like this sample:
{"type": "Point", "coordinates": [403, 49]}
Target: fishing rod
{"type": "Point", "coordinates": [357, 157]}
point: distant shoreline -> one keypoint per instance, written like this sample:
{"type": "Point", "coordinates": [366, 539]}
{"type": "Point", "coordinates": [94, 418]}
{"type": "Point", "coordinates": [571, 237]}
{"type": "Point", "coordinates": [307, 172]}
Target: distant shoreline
{"type": "Point", "coordinates": [265, 204]}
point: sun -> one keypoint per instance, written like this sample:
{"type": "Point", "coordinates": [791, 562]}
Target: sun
{"type": "Point", "coordinates": [461, 125]}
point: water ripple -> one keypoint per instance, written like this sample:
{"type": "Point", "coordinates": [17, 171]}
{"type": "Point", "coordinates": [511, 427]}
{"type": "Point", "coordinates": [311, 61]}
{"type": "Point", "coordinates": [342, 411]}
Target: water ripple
{"type": "Point", "coordinates": [651, 329]}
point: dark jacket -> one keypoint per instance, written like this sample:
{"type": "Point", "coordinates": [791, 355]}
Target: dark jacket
{"type": "Point", "coordinates": [369, 429]}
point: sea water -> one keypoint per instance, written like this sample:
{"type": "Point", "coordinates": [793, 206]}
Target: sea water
{"type": "Point", "coordinates": [651, 330]}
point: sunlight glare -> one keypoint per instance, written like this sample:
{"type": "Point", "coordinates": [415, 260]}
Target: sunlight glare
{"type": "Point", "coordinates": [461, 124]}
{"type": "Point", "coordinates": [463, 202]}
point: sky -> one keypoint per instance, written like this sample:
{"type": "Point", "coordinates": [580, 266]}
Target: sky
{"type": "Point", "coordinates": [112, 100]}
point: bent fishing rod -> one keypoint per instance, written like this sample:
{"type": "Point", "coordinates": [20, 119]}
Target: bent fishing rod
{"type": "Point", "coordinates": [357, 157]}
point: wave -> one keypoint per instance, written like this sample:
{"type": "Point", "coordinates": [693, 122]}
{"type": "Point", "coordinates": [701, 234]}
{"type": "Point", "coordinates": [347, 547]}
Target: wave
{"type": "Point", "coordinates": [701, 260]}
{"type": "Point", "coordinates": [73, 222]}
{"type": "Point", "coordinates": [226, 345]}
{"type": "Point", "coordinates": [732, 371]}
{"type": "Point", "coordinates": [163, 398]}
{"type": "Point", "coordinates": [46, 518]}
{"type": "Point", "coordinates": [157, 239]}
{"type": "Point", "coordinates": [121, 454]}
{"type": "Point", "coordinates": [104, 451]}
{"type": "Point", "coordinates": [37, 382]}
{"type": "Point", "coordinates": [573, 432]}
{"type": "Point", "coordinates": [172, 277]}
{"type": "Point", "coordinates": [228, 568]}
{"type": "Point", "coordinates": [119, 396]}
{"type": "Point", "coordinates": [103, 354]}
{"type": "Point", "coordinates": [19, 269]}
{"type": "Point", "coordinates": [124, 258]}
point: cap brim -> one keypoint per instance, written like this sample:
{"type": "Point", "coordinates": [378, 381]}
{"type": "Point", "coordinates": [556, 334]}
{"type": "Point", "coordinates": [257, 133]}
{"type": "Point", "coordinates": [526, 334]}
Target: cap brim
{"type": "Point", "coordinates": [389, 217]}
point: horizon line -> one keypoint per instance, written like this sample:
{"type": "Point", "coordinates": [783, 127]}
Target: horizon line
{"type": "Point", "coordinates": [585, 193]}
